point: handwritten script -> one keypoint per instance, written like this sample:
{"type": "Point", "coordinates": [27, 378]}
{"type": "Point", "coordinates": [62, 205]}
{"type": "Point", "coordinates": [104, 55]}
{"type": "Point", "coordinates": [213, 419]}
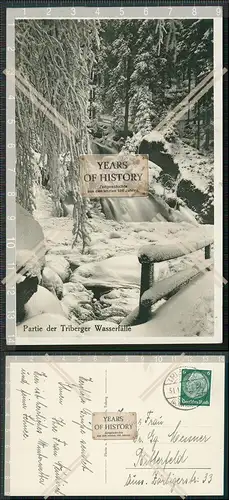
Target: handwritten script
{"type": "Point", "coordinates": [154, 462]}
{"type": "Point", "coordinates": [39, 423]}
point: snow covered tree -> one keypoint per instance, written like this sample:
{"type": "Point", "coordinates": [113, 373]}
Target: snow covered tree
{"type": "Point", "coordinates": [56, 58]}
{"type": "Point", "coordinates": [120, 43]}
{"type": "Point", "coordinates": [195, 55]}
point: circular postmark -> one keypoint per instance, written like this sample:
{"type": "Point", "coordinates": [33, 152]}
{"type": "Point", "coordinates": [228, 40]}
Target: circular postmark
{"type": "Point", "coordinates": [186, 388]}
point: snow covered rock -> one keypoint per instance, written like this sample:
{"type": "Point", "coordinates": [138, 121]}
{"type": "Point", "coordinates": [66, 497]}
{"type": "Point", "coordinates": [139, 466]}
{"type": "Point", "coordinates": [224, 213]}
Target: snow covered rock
{"type": "Point", "coordinates": [43, 301]}
{"type": "Point", "coordinates": [115, 234]}
{"type": "Point", "coordinates": [28, 276]}
{"type": "Point", "coordinates": [74, 260]}
{"type": "Point", "coordinates": [77, 308]}
{"type": "Point", "coordinates": [117, 304]}
{"type": "Point", "coordinates": [58, 264]}
{"type": "Point", "coordinates": [159, 151]}
{"type": "Point", "coordinates": [196, 183]}
{"type": "Point", "coordinates": [30, 235]}
{"type": "Point", "coordinates": [116, 272]}
{"type": "Point", "coordinates": [60, 249]}
{"type": "Point", "coordinates": [77, 302]}
{"type": "Point", "coordinates": [52, 281]}
{"type": "Point", "coordinates": [28, 264]}
{"type": "Point", "coordinates": [76, 288]}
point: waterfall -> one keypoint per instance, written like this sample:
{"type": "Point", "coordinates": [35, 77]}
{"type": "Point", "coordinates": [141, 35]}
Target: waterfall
{"type": "Point", "coordinates": [130, 209]}
{"type": "Point", "coordinates": [134, 209]}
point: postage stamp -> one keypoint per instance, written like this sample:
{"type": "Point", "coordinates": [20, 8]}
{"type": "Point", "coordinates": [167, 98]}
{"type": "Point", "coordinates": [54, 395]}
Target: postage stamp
{"type": "Point", "coordinates": [187, 388]}
{"type": "Point", "coordinates": [195, 387]}
{"type": "Point", "coordinates": [114, 425]}
{"type": "Point", "coordinates": [172, 389]}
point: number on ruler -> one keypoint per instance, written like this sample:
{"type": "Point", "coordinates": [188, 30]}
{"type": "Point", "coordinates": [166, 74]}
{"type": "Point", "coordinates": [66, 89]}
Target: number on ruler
{"type": "Point", "coordinates": [11, 48]}
{"type": "Point", "coordinates": [218, 11]}
{"type": "Point", "coordinates": [121, 11]}
{"type": "Point", "coordinates": [170, 11]}
{"type": "Point", "coordinates": [73, 11]}
{"type": "Point", "coordinates": [49, 10]}
{"type": "Point", "coordinates": [11, 121]}
{"type": "Point", "coordinates": [146, 12]}
{"type": "Point", "coordinates": [97, 11]}
{"type": "Point", "coordinates": [194, 11]}
{"type": "Point", "coordinates": [11, 97]}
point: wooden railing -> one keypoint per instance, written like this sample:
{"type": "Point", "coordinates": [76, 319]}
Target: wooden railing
{"type": "Point", "coordinates": [150, 290]}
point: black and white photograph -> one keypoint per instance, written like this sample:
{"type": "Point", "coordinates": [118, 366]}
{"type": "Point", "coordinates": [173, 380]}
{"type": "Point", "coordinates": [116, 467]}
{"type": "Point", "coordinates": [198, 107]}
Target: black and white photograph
{"type": "Point", "coordinates": [125, 269]}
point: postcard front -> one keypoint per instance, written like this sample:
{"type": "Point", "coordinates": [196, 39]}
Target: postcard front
{"type": "Point", "coordinates": [114, 425]}
{"type": "Point", "coordinates": [114, 175]}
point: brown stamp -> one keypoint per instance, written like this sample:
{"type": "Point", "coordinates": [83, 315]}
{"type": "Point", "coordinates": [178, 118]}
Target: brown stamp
{"type": "Point", "coordinates": [114, 425]}
{"type": "Point", "coordinates": [116, 175]}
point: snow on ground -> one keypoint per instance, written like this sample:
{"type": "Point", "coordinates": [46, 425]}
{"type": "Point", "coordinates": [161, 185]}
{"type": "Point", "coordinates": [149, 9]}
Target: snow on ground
{"type": "Point", "coordinates": [193, 166]}
{"type": "Point", "coordinates": [188, 313]}
{"type": "Point", "coordinates": [155, 136]}
{"type": "Point", "coordinates": [116, 285]}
